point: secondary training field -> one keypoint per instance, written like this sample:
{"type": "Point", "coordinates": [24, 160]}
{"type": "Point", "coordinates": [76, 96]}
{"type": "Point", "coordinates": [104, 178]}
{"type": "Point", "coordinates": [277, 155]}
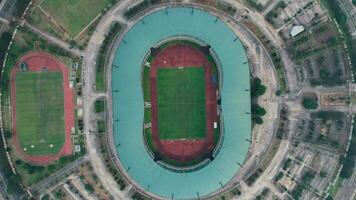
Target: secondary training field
{"type": "Point", "coordinates": [181, 103]}
{"type": "Point", "coordinates": [42, 108]}
{"type": "Point", "coordinates": [74, 15]}
{"type": "Point", "coordinates": [40, 112]}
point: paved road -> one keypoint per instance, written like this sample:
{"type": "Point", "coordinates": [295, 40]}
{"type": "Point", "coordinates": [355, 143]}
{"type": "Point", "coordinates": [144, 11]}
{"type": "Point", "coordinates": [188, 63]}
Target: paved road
{"type": "Point", "coordinates": [58, 175]}
{"type": "Point", "coordinates": [89, 96]}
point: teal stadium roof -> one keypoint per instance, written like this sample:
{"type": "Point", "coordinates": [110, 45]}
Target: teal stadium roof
{"type": "Point", "coordinates": [128, 105]}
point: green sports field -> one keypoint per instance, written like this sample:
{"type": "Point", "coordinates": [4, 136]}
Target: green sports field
{"type": "Point", "coordinates": [181, 103]}
{"type": "Point", "coordinates": [74, 15]}
{"type": "Point", "coordinates": [40, 112]}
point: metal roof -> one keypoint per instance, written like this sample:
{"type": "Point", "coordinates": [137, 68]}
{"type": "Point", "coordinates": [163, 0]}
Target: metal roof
{"type": "Point", "coordinates": [128, 104]}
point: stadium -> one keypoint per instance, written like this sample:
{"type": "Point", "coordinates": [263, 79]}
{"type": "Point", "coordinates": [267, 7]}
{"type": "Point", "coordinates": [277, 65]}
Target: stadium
{"type": "Point", "coordinates": [180, 103]}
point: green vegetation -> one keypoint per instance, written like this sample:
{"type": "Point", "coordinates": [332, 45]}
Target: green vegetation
{"type": "Point", "coordinates": [20, 7]}
{"type": "Point", "coordinates": [45, 197]}
{"type": "Point", "coordinates": [257, 90]}
{"type": "Point", "coordinates": [101, 59]}
{"type": "Point", "coordinates": [349, 162]}
{"type": "Point", "coordinates": [31, 174]}
{"type": "Point", "coordinates": [337, 13]}
{"type": "Point", "coordinates": [274, 13]}
{"type": "Point", "coordinates": [105, 155]}
{"type": "Point", "coordinates": [275, 56]}
{"type": "Point", "coordinates": [254, 4]}
{"type": "Point", "coordinates": [4, 43]}
{"type": "Point", "coordinates": [101, 126]}
{"type": "Point", "coordinates": [328, 115]}
{"type": "Point", "coordinates": [302, 185]}
{"type": "Point", "coordinates": [25, 41]}
{"type": "Point", "coordinates": [226, 7]}
{"type": "Point", "coordinates": [40, 112]}
{"type": "Point", "coordinates": [258, 110]}
{"type": "Point", "coordinates": [134, 10]}
{"type": "Point", "coordinates": [335, 187]}
{"type": "Point", "coordinates": [99, 106]}
{"type": "Point", "coordinates": [310, 103]}
{"type": "Point", "coordinates": [88, 187]}
{"type": "Point", "coordinates": [181, 103]}
{"type": "Point", "coordinates": [13, 180]}
{"type": "Point", "coordinates": [71, 15]}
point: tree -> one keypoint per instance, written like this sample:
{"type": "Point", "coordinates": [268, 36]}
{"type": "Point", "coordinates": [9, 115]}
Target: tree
{"type": "Point", "coordinates": [89, 188]}
{"type": "Point", "coordinates": [257, 120]}
{"type": "Point", "coordinates": [257, 88]}
{"type": "Point", "coordinates": [258, 110]}
{"type": "Point", "coordinates": [18, 162]}
{"type": "Point", "coordinates": [310, 103]}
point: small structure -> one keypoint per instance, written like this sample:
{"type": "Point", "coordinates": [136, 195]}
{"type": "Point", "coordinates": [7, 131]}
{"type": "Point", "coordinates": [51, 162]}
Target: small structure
{"type": "Point", "coordinates": [77, 148]}
{"type": "Point", "coordinates": [147, 104]}
{"type": "Point", "coordinates": [23, 66]}
{"type": "Point", "coordinates": [147, 125]}
{"type": "Point", "coordinates": [75, 66]}
{"type": "Point", "coordinates": [80, 112]}
{"type": "Point", "coordinates": [296, 30]}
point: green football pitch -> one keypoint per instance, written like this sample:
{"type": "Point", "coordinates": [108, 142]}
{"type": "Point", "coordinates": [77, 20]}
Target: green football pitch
{"type": "Point", "coordinates": [181, 103]}
{"type": "Point", "coordinates": [40, 112]}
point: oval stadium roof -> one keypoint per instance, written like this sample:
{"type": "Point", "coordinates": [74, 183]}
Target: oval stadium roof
{"type": "Point", "coordinates": [128, 105]}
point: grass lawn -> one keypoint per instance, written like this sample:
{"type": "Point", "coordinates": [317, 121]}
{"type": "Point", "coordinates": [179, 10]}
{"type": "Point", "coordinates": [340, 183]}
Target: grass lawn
{"type": "Point", "coordinates": [40, 112]}
{"type": "Point", "coordinates": [181, 103]}
{"type": "Point", "coordinates": [74, 15]}
{"type": "Point", "coordinates": [335, 188]}
{"type": "Point", "coordinates": [101, 126]}
{"type": "Point", "coordinates": [99, 106]}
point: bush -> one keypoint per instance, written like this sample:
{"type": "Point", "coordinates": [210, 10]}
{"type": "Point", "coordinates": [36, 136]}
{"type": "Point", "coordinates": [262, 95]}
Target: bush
{"type": "Point", "coordinates": [310, 103]}
{"type": "Point", "coordinates": [101, 126]}
{"type": "Point", "coordinates": [99, 106]}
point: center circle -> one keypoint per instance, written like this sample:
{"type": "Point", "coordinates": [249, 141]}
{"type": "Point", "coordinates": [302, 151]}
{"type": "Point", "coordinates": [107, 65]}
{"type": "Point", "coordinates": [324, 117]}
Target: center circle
{"type": "Point", "coordinates": [180, 82]}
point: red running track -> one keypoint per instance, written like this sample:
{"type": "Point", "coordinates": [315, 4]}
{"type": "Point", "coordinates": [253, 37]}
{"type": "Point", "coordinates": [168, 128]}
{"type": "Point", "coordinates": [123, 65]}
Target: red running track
{"type": "Point", "coordinates": [35, 62]}
{"type": "Point", "coordinates": [184, 150]}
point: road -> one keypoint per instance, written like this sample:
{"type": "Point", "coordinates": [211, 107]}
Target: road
{"type": "Point", "coordinates": [89, 96]}
{"type": "Point", "coordinates": [58, 175]}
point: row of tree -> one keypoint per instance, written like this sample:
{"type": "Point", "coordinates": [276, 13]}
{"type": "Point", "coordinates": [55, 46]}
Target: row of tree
{"type": "Point", "coordinates": [257, 90]}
